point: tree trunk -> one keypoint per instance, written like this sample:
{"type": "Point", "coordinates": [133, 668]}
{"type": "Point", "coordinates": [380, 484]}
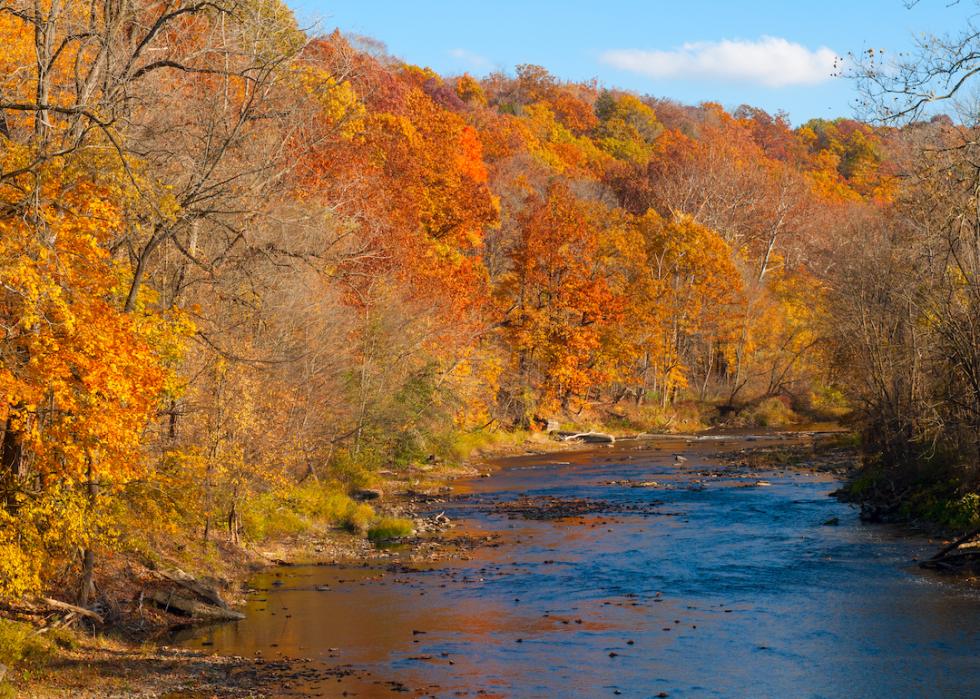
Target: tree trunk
{"type": "Point", "coordinates": [11, 458]}
{"type": "Point", "coordinates": [233, 523]}
{"type": "Point", "coordinates": [86, 587]}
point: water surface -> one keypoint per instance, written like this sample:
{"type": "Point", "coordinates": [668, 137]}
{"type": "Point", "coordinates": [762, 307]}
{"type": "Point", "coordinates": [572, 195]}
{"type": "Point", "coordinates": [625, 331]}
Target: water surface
{"type": "Point", "coordinates": [724, 591]}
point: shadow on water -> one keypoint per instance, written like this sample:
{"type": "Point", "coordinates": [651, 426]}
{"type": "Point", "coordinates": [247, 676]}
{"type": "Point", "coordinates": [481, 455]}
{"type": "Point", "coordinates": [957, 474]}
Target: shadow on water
{"type": "Point", "coordinates": [715, 592]}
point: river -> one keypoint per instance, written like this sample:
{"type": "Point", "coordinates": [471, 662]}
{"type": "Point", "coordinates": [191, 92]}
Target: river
{"type": "Point", "coordinates": [697, 587]}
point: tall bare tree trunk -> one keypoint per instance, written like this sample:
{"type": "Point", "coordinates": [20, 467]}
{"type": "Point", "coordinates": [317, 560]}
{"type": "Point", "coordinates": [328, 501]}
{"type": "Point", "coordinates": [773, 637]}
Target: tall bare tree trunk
{"type": "Point", "coordinates": [86, 586]}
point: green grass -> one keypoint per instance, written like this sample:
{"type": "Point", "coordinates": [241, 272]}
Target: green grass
{"type": "Point", "coordinates": [389, 528]}
{"type": "Point", "coordinates": [22, 647]}
{"type": "Point", "coordinates": [301, 509]}
{"type": "Point", "coordinates": [456, 446]}
{"type": "Point", "coordinates": [24, 651]}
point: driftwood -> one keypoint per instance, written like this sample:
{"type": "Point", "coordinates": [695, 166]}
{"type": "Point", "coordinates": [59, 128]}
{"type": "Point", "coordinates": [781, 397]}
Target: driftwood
{"type": "Point", "coordinates": [959, 542]}
{"type": "Point", "coordinates": [205, 592]}
{"type": "Point", "coordinates": [588, 437]}
{"type": "Point", "coordinates": [949, 557]}
{"type": "Point", "coordinates": [72, 609]}
{"type": "Point", "coordinates": [172, 602]}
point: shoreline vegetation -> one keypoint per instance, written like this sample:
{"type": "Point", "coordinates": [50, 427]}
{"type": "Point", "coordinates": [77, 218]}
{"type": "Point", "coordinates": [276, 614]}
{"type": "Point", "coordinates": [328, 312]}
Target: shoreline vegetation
{"type": "Point", "coordinates": [256, 283]}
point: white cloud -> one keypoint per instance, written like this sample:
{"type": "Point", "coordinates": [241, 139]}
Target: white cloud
{"type": "Point", "coordinates": [770, 61]}
{"type": "Point", "coordinates": [472, 60]}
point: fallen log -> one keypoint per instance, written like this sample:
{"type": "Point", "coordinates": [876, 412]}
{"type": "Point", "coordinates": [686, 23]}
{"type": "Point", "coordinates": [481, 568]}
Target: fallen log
{"type": "Point", "coordinates": [952, 561]}
{"type": "Point", "coordinates": [945, 550]}
{"type": "Point", "coordinates": [71, 608]}
{"type": "Point", "coordinates": [172, 602]}
{"type": "Point", "coordinates": [588, 437]}
{"type": "Point", "coordinates": [205, 592]}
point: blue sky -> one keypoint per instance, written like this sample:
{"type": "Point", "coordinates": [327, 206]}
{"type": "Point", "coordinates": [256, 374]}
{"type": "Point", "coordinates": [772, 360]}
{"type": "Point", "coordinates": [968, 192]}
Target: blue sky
{"type": "Point", "coordinates": [773, 55]}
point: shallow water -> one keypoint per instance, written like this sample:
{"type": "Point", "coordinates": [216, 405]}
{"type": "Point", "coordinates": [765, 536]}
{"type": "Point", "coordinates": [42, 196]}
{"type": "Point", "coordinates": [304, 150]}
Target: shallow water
{"type": "Point", "coordinates": [724, 592]}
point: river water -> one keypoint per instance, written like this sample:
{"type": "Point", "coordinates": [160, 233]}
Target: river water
{"type": "Point", "coordinates": [679, 590]}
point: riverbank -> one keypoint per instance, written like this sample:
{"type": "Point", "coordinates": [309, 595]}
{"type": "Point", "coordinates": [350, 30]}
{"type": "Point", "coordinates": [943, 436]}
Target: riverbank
{"type": "Point", "coordinates": [120, 656]}
{"type": "Point", "coordinates": [644, 567]}
{"type": "Point", "coordinates": [147, 670]}
{"type": "Point", "coordinates": [937, 510]}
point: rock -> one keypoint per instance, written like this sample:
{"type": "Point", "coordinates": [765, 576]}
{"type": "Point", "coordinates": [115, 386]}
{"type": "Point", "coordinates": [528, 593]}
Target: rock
{"type": "Point", "coordinates": [645, 484]}
{"type": "Point", "coordinates": [172, 602]}
{"type": "Point", "coordinates": [832, 522]}
{"type": "Point", "coordinates": [678, 459]}
{"type": "Point", "coordinates": [364, 494]}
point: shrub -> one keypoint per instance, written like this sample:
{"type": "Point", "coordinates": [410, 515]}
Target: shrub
{"type": "Point", "coordinates": [353, 473]}
{"type": "Point", "coordinates": [21, 646]}
{"type": "Point", "coordinates": [771, 412]}
{"type": "Point", "coordinates": [357, 518]}
{"type": "Point", "coordinates": [829, 403]}
{"type": "Point", "coordinates": [957, 513]}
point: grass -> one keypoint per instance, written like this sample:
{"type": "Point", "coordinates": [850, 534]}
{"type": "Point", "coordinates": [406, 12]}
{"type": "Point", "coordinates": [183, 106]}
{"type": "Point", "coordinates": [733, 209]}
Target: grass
{"type": "Point", "coordinates": [22, 647]}
{"type": "Point", "coordinates": [389, 528]}
{"type": "Point", "coordinates": [301, 509]}
{"type": "Point", "coordinates": [25, 651]}
{"type": "Point", "coordinates": [771, 412]}
{"type": "Point", "coordinates": [456, 446]}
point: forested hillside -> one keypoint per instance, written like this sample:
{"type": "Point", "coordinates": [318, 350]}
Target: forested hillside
{"type": "Point", "coordinates": [241, 266]}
